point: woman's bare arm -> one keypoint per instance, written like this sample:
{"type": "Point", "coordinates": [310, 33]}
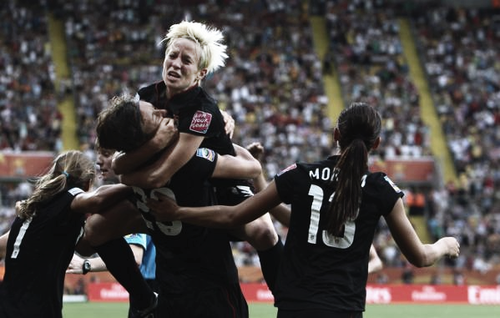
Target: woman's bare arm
{"type": "Point", "coordinates": [101, 198]}
{"type": "Point", "coordinates": [219, 216]}
{"type": "Point", "coordinates": [418, 254]}
{"type": "Point", "coordinates": [165, 136]}
{"type": "Point", "coordinates": [157, 174]}
{"type": "Point", "coordinates": [241, 166]}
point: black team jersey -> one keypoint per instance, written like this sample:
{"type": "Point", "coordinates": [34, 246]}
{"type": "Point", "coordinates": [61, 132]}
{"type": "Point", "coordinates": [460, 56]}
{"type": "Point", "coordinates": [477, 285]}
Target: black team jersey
{"type": "Point", "coordinates": [196, 113]}
{"type": "Point", "coordinates": [39, 251]}
{"type": "Point", "coordinates": [190, 258]}
{"type": "Point", "coordinates": [319, 271]}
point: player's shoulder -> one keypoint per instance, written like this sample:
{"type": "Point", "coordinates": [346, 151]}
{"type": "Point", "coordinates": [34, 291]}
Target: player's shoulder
{"type": "Point", "coordinates": [380, 181]}
{"type": "Point", "coordinates": [310, 169]}
{"type": "Point", "coordinates": [205, 96]}
{"type": "Point", "coordinates": [151, 91]}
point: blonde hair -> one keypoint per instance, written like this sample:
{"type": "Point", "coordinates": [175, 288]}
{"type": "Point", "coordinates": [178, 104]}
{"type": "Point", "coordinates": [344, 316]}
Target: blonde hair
{"type": "Point", "coordinates": [69, 169]}
{"type": "Point", "coordinates": [213, 52]}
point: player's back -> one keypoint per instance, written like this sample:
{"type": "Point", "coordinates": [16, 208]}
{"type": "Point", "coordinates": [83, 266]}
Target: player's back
{"type": "Point", "coordinates": [38, 253]}
{"type": "Point", "coordinates": [315, 260]}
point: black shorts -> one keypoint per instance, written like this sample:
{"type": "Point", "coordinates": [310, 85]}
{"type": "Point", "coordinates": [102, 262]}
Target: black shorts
{"type": "Point", "coordinates": [219, 302]}
{"type": "Point", "coordinates": [317, 314]}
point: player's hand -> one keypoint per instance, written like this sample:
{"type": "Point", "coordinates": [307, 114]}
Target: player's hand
{"type": "Point", "coordinates": [163, 208]}
{"type": "Point", "coordinates": [229, 121]}
{"type": "Point", "coordinates": [166, 134]}
{"type": "Point", "coordinates": [451, 246]}
{"type": "Point", "coordinates": [75, 266]}
{"type": "Point", "coordinates": [256, 149]}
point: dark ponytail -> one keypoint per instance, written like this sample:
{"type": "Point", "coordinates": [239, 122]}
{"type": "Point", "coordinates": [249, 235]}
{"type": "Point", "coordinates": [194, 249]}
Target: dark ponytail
{"type": "Point", "coordinates": [359, 127]}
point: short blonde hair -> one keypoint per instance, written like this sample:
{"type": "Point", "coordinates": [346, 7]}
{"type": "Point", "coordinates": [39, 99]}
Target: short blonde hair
{"type": "Point", "coordinates": [213, 51]}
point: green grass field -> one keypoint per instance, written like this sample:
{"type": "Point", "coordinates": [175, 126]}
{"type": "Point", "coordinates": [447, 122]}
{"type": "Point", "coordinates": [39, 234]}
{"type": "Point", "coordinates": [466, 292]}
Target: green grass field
{"type": "Point", "coordinates": [119, 310]}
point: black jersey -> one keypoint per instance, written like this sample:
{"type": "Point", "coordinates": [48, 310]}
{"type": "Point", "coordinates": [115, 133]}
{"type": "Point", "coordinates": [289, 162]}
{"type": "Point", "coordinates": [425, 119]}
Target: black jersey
{"type": "Point", "coordinates": [190, 257]}
{"type": "Point", "coordinates": [318, 270]}
{"type": "Point", "coordinates": [39, 251]}
{"type": "Point", "coordinates": [196, 112]}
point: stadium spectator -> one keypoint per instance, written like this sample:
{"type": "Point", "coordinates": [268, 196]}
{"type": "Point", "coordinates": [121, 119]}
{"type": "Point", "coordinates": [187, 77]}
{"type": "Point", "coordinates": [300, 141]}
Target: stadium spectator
{"type": "Point", "coordinates": [459, 51]}
{"type": "Point", "coordinates": [372, 68]}
{"type": "Point", "coordinates": [29, 118]}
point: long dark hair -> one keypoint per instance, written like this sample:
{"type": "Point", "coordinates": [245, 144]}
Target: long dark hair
{"type": "Point", "coordinates": [359, 127]}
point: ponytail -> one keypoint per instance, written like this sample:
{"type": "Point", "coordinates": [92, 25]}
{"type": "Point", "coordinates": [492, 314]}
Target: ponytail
{"type": "Point", "coordinates": [350, 169]}
{"type": "Point", "coordinates": [45, 188]}
{"type": "Point", "coordinates": [358, 129]}
{"type": "Point", "coordinates": [69, 169]}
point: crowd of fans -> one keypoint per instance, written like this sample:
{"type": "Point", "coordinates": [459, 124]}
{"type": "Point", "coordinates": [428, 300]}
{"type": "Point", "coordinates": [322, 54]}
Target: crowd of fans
{"type": "Point", "coordinates": [29, 118]}
{"type": "Point", "coordinates": [272, 86]}
{"type": "Point", "coordinates": [461, 50]}
{"type": "Point", "coordinates": [366, 49]}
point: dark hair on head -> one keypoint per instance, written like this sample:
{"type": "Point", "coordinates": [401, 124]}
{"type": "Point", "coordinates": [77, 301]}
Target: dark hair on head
{"type": "Point", "coordinates": [101, 149]}
{"type": "Point", "coordinates": [359, 128]}
{"type": "Point", "coordinates": [119, 126]}
{"type": "Point", "coordinates": [69, 169]}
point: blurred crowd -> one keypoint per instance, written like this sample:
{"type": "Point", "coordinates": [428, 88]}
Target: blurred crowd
{"type": "Point", "coordinates": [29, 118]}
{"type": "Point", "coordinates": [272, 86]}
{"type": "Point", "coordinates": [461, 54]}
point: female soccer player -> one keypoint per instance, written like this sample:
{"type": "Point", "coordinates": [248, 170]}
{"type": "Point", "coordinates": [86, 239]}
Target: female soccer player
{"type": "Point", "coordinates": [336, 205]}
{"type": "Point", "coordinates": [43, 236]}
{"type": "Point", "coordinates": [194, 50]}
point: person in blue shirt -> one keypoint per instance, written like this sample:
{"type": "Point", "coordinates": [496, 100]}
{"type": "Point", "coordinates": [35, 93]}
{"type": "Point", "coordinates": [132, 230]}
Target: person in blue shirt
{"type": "Point", "coordinates": [142, 246]}
{"type": "Point", "coordinates": [144, 252]}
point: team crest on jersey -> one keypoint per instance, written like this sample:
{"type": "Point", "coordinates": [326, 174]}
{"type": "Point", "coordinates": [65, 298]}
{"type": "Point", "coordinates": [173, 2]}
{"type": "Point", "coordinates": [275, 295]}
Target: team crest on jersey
{"type": "Point", "coordinates": [206, 154]}
{"type": "Point", "coordinates": [290, 167]}
{"type": "Point", "coordinates": [393, 185]}
{"type": "Point", "coordinates": [201, 121]}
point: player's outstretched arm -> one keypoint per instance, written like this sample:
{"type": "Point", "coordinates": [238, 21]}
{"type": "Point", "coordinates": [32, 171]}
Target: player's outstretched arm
{"type": "Point", "coordinates": [218, 216]}
{"type": "Point", "coordinates": [417, 253]}
{"type": "Point", "coordinates": [241, 166]}
{"type": "Point", "coordinates": [158, 173]}
{"type": "Point", "coordinates": [101, 198]}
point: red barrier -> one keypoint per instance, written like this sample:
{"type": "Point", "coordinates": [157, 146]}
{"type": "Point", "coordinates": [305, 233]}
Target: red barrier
{"type": "Point", "coordinates": [114, 292]}
{"type": "Point", "coordinates": [433, 294]}
{"type": "Point", "coordinates": [107, 292]}
{"type": "Point", "coordinates": [24, 164]}
{"type": "Point", "coordinates": [375, 294]}
{"type": "Point", "coordinates": [257, 292]}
